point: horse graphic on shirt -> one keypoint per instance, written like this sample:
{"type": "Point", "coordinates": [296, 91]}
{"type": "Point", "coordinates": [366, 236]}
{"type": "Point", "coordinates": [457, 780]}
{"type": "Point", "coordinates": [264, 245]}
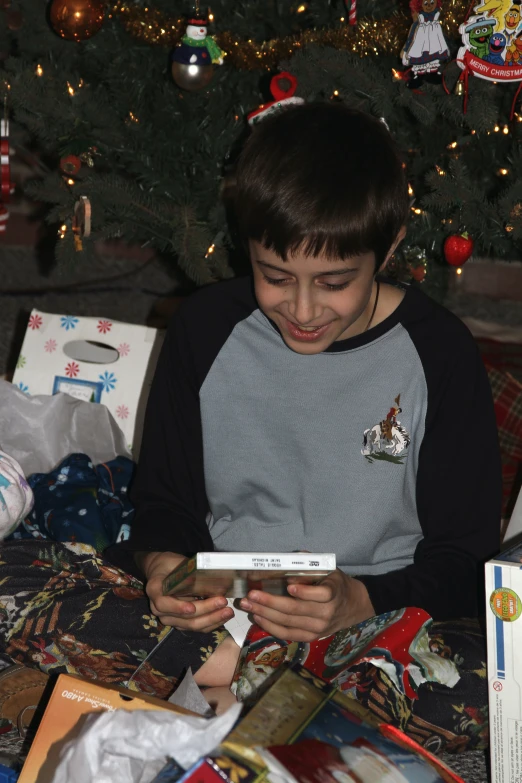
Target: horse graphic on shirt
{"type": "Point", "coordinates": [388, 440]}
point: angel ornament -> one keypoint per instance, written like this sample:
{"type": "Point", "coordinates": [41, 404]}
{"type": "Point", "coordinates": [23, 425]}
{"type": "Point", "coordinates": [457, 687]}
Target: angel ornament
{"type": "Point", "coordinates": [425, 49]}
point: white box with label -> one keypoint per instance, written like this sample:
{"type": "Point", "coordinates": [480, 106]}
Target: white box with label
{"type": "Point", "coordinates": [504, 649]}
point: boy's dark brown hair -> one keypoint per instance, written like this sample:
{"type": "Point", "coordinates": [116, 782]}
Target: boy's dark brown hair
{"type": "Point", "coordinates": [321, 177]}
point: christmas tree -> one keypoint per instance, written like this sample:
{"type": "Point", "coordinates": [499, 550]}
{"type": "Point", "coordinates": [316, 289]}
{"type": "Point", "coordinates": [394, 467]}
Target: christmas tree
{"type": "Point", "coordinates": [130, 149]}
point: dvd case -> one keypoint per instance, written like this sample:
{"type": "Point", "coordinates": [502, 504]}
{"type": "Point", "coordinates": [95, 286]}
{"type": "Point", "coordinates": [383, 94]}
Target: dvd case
{"type": "Point", "coordinates": [233, 574]}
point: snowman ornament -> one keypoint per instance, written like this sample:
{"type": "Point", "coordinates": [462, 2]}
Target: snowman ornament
{"type": "Point", "coordinates": [194, 57]}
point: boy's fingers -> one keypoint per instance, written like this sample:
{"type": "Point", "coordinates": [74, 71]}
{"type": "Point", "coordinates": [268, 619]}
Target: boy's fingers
{"type": "Point", "coordinates": [320, 594]}
{"type": "Point", "coordinates": [203, 623]}
{"type": "Point", "coordinates": [284, 632]}
{"type": "Point", "coordinates": [307, 623]}
{"type": "Point", "coordinates": [178, 608]}
{"type": "Point", "coordinates": [289, 605]}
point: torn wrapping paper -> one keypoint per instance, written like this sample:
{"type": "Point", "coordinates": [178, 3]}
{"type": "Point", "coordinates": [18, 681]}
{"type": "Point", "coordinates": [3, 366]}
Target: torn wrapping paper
{"type": "Point", "coordinates": [396, 642]}
{"type": "Point", "coordinates": [132, 747]}
{"type": "Point", "coordinates": [40, 431]}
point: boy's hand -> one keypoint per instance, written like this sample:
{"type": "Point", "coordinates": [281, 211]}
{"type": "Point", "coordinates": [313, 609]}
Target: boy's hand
{"type": "Point", "coordinates": [185, 614]}
{"type": "Point", "coordinates": [312, 611]}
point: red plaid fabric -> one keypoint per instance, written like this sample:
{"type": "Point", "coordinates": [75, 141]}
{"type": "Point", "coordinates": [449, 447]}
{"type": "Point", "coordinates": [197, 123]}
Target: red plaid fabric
{"type": "Point", "coordinates": [507, 398]}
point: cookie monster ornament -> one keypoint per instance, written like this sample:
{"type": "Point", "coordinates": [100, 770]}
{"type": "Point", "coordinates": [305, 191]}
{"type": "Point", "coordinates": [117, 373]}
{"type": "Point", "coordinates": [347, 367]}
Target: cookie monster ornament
{"type": "Point", "coordinates": [492, 42]}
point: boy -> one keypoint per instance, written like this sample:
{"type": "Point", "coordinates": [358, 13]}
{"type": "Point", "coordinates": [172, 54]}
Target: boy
{"type": "Point", "coordinates": [316, 407]}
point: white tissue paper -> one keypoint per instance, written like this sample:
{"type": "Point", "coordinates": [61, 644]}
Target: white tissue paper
{"type": "Point", "coordinates": [41, 431]}
{"type": "Point", "coordinates": [132, 747]}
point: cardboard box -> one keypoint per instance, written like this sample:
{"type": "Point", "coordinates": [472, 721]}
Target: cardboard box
{"type": "Point", "coordinates": [504, 652]}
{"type": "Point", "coordinates": [72, 699]}
{"type": "Point", "coordinates": [93, 359]}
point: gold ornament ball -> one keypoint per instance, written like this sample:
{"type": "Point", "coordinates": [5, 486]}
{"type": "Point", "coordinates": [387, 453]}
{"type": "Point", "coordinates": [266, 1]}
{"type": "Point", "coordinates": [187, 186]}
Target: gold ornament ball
{"type": "Point", "coordinates": [77, 20]}
{"type": "Point", "coordinates": [192, 77]}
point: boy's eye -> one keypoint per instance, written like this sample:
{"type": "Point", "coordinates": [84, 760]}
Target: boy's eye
{"type": "Point", "coordinates": [275, 280]}
{"type": "Point", "coordinates": [337, 286]}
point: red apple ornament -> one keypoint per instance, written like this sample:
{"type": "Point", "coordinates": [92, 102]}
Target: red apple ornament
{"type": "Point", "coordinates": [458, 248]}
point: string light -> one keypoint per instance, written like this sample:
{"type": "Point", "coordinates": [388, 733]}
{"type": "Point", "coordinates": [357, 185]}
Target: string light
{"type": "Point", "coordinates": [496, 128]}
{"type": "Point", "coordinates": [70, 89]}
{"type": "Point", "coordinates": [133, 117]}
{"type": "Point", "coordinates": [452, 145]}
{"type": "Point", "coordinates": [70, 182]}
{"type": "Point", "coordinates": [210, 18]}
{"type": "Point", "coordinates": [441, 172]}
{"type": "Point", "coordinates": [301, 9]}
{"type": "Point", "coordinates": [62, 230]}
{"type": "Point", "coordinates": [458, 270]}
{"type": "Point", "coordinates": [210, 250]}
{"type": "Point", "coordinates": [503, 172]}
{"type": "Point", "coordinates": [505, 130]}
{"type": "Point", "coordinates": [336, 93]}
{"type": "Point", "coordinates": [509, 229]}
{"type": "Point", "coordinates": [39, 70]}
{"type": "Point", "coordinates": [410, 190]}
{"type": "Point", "coordinates": [416, 210]}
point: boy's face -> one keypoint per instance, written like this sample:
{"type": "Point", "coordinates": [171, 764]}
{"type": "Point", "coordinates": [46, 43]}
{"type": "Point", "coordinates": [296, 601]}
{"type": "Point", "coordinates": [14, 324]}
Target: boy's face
{"type": "Point", "coordinates": [313, 300]}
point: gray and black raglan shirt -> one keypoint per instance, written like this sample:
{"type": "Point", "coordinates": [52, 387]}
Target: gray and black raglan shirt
{"type": "Point", "coordinates": [382, 449]}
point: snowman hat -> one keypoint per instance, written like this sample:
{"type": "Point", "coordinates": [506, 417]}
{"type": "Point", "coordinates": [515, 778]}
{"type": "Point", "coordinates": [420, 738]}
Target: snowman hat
{"type": "Point", "coordinates": [198, 21]}
{"type": "Point", "coordinates": [480, 22]}
{"type": "Point", "coordinates": [282, 86]}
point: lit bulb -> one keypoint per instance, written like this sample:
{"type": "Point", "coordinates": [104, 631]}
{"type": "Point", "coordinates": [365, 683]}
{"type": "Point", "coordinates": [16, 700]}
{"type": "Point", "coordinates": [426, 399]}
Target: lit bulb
{"type": "Point", "coordinates": [496, 128]}
{"type": "Point", "coordinates": [301, 9]}
{"type": "Point", "coordinates": [440, 171]}
{"type": "Point", "coordinates": [410, 190]}
{"type": "Point", "coordinates": [342, 18]}
{"type": "Point", "coordinates": [473, 132]}
{"type": "Point", "coordinates": [211, 17]}
{"type": "Point", "coordinates": [63, 228]}
{"type": "Point", "coordinates": [211, 249]}
{"type": "Point", "coordinates": [416, 210]}
{"type": "Point", "coordinates": [39, 70]}
{"type": "Point", "coordinates": [336, 92]}
{"type": "Point", "coordinates": [505, 130]}
{"type": "Point", "coordinates": [70, 89]}
{"type": "Point", "coordinates": [503, 172]}
{"type": "Point", "coordinates": [452, 145]}
{"type": "Point", "coordinates": [458, 270]}
{"type": "Point", "coordinates": [70, 182]}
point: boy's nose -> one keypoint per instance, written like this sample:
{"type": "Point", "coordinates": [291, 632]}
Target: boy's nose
{"type": "Point", "coordinates": [303, 309]}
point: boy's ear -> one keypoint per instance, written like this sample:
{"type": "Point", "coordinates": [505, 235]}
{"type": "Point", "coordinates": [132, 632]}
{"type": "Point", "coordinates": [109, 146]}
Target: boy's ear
{"type": "Point", "coordinates": [398, 239]}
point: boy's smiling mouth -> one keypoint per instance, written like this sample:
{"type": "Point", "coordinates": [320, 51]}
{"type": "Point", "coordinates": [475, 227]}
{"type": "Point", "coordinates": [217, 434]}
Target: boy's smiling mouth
{"type": "Point", "coordinates": [305, 333]}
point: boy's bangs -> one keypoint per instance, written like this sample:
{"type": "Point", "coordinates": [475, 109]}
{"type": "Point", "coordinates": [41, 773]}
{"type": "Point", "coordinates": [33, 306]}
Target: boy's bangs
{"type": "Point", "coordinates": [313, 233]}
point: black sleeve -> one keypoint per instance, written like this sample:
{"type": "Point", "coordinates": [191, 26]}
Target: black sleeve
{"type": "Point", "coordinates": [458, 487]}
{"type": "Point", "coordinates": [169, 488]}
